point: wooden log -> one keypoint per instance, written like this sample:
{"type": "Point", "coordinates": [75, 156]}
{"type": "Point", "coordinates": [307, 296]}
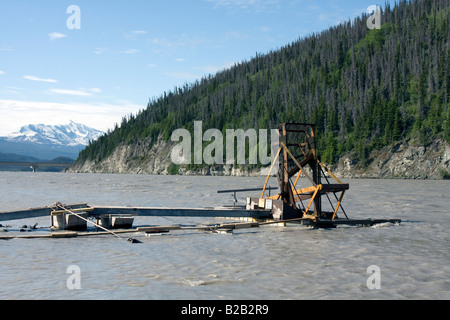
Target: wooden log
{"type": "Point", "coordinates": [245, 190]}
{"type": "Point", "coordinates": [33, 212]}
{"type": "Point", "coordinates": [247, 225]}
{"type": "Point", "coordinates": [158, 229]}
{"type": "Point", "coordinates": [59, 234]}
{"type": "Point", "coordinates": [64, 234]}
{"type": "Point", "coordinates": [73, 210]}
{"type": "Point", "coordinates": [354, 222]}
{"type": "Point", "coordinates": [36, 236]}
{"type": "Point", "coordinates": [183, 212]}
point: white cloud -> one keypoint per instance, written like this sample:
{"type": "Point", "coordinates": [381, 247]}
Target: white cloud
{"type": "Point", "coordinates": [252, 5]}
{"type": "Point", "coordinates": [56, 35]}
{"type": "Point", "coordinates": [82, 93]}
{"type": "Point", "coordinates": [102, 116]}
{"type": "Point", "coordinates": [179, 60]}
{"type": "Point", "coordinates": [236, 35]}
{"type": "Point", "coordinates": [182, 41]}
{"type": "Point", "coordinates": [185, 76]}
{"type": "Point", "coordinates": [161, 42]}
{"type": "Point", "coordinates": [210, 69]}
{"type": "Point", "coordinates": [33, 78]}
{"type": "Point", "coordinates": [131, 51]}
{"type": "Point", "coordinates": [2, 72]}
{"type": "Point", "coordinates": [11, 90]}
{"type": "Point", "coordinates": [100, 50]}
{"type": "Point", "coordinates": [133, 35]}
{"type": "Point", "coordinates": [198, 72]}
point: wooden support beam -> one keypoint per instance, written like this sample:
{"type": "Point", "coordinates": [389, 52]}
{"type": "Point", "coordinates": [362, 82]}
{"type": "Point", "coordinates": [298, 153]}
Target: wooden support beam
{"type": "Point", "coordinates": [297, 163]}
{"type": "Point", "coordinates": [138, 211]}
{"type": "Point", "coordinates": [318, 188]}
{"type": "Point", "coordinates": [296, 180]}
{"type": "Point", "coordinates": [73, 210]}
{"type": "Point", "coordinates": [244, 190]}
{"type": "Point", "coordinates": [270, 171]}
{"type": "Point", "coordinates": [338, 205]}
{"type": "Point", "coordinates": [184, 212]}
{"type": "Point", "coordinates": [34, 212]}
{"type": "Point", "coordinates": [305, 190]}
{"type": "Point", "coordinates": [329, 172]}
{"type": "Point", "coordinates": [158, 228]}
{"type": "Point", "coordinates": [302, 163]}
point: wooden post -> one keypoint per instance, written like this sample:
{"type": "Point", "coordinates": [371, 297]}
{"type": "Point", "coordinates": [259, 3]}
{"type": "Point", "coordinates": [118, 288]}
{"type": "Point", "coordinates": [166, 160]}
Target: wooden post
{"type": "Point", "coordinates": [270, 171]}
{"type": "Point", "coordinates": [338, 205]}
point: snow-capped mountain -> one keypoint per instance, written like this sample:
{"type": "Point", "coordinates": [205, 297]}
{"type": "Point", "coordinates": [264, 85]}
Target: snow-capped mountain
{"type": "Point", "coordinates": [71, 135]}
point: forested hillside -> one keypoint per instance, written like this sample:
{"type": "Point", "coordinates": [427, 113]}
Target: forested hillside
{"type": "Point", "coordinates": [364, 89]}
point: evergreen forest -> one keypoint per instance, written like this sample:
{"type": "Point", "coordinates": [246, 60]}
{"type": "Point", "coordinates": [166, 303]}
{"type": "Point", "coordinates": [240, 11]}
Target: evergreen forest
{"type": "Point", "coordinates": [363, 89]}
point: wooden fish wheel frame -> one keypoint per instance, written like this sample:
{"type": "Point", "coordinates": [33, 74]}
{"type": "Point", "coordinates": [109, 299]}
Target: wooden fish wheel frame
{"type": "Point", "coordinates": [297, 157]}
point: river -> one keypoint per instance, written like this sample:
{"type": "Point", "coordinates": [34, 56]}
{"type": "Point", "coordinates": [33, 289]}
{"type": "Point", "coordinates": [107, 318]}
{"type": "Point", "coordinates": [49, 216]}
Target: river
{"type": "Point", "coordinates": [279, 263]}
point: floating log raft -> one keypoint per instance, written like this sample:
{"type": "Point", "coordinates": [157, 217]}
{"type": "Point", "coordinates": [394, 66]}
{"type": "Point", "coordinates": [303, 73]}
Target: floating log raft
{"type": "Point", "coordinates": [229, 227]}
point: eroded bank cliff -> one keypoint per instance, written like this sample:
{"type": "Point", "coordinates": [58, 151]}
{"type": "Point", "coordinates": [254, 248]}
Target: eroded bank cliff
{"type": "Point", "coordinates": [400, 161]}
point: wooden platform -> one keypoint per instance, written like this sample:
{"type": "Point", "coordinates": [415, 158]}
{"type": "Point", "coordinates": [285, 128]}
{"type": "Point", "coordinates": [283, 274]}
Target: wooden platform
{"type": "Point", "coordinates": [218, 212]}
{"type": "Point", "coordinates": [34, 212]}
{"type": "Point", "coordinates": [232, 212]}
{"type": "Point", "coordinates": [142, 229]}
{"type": "Point", "coordinates": [225, 227]}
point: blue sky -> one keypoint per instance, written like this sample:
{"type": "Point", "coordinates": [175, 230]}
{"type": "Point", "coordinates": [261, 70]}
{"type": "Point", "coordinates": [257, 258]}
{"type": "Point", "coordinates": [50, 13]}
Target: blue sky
{"type": "Point", "coordinates": [126, 52]}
